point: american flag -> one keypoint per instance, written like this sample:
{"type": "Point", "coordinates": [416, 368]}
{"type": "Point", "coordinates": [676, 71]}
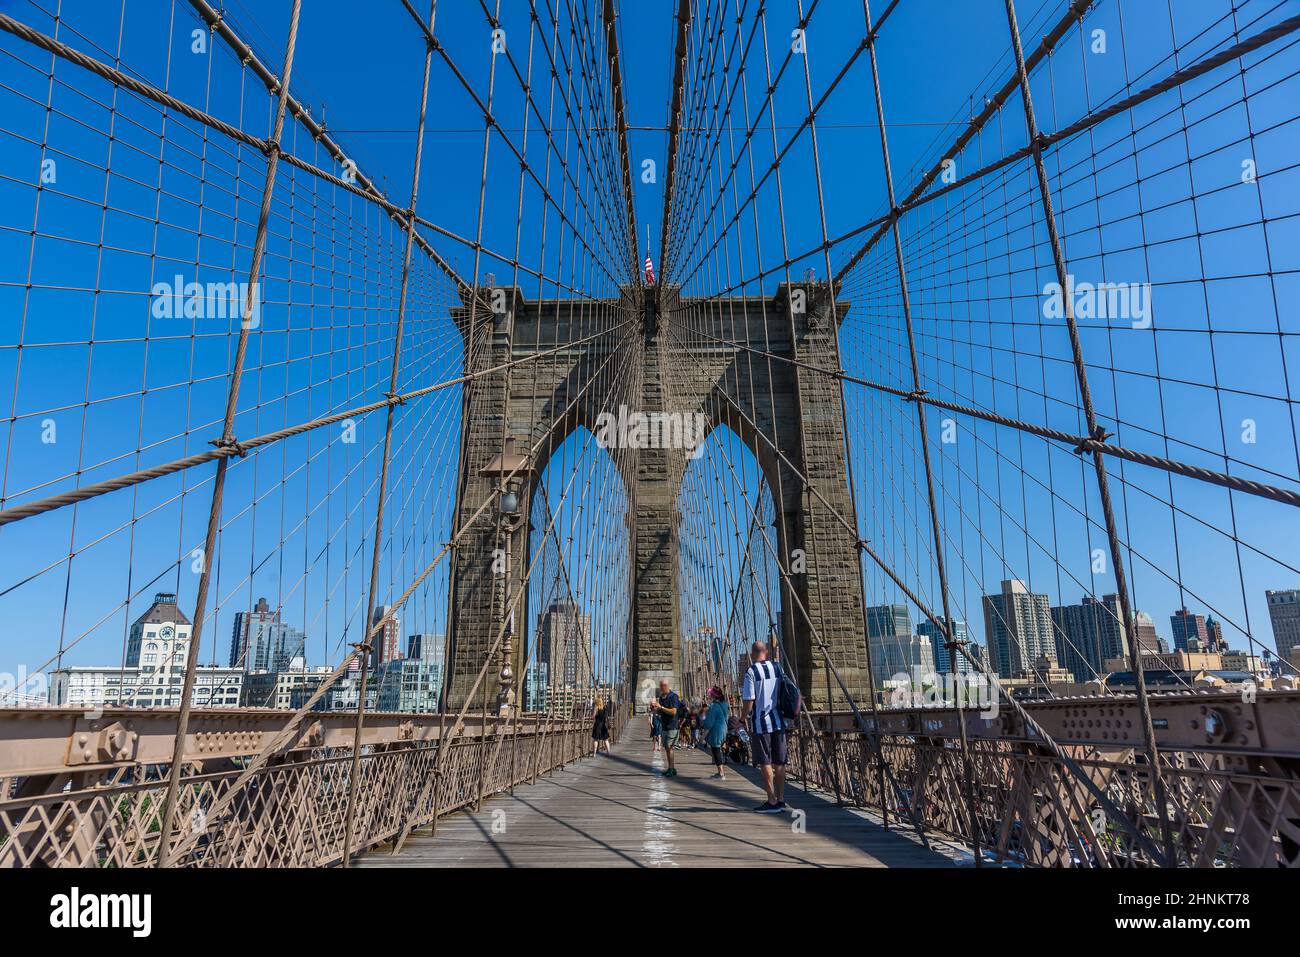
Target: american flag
{"type": "Point", "coordinates": [649, 272]}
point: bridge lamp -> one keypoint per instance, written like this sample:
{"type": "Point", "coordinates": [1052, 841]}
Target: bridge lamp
{"type": "Point", "coordinates": [512, 468]}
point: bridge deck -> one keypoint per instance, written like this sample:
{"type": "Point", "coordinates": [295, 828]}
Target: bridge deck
{"type": "Point", "coordinates": [619, 811]}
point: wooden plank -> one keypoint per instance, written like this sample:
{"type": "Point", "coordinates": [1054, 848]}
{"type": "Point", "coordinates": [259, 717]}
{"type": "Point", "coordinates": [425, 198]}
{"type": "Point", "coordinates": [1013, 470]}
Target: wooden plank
{"type": "Point", "coordinates": [619, 811]}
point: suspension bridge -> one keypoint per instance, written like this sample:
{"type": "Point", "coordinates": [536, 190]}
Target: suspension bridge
{"type": "Point", "coordinates": [354, 458]}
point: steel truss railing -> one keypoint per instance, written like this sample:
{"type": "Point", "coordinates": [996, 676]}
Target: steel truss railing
{"type": "Point", "coordinates": [294, 812]}
{"type": "Point", "coordinates": [1228, 806]}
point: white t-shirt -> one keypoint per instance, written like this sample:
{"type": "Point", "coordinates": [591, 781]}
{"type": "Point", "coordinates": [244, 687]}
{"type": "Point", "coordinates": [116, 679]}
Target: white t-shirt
{"type": "Point", "coordinates": [760, 686]}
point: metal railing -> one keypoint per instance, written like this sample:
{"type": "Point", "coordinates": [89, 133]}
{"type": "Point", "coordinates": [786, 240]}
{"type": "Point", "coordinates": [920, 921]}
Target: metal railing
{"type": "Point", "coordinates": [292, 813]}
{"type": "Point", "coordinates": [1231, 769]}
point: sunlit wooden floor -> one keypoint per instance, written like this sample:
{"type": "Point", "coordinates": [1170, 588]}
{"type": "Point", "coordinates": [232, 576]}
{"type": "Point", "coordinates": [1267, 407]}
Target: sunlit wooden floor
{"type": "Point", "coordinates": [619, 811]}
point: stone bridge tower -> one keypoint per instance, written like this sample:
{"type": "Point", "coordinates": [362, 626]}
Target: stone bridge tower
{"type": "Point", "coordinates": [661, 353]}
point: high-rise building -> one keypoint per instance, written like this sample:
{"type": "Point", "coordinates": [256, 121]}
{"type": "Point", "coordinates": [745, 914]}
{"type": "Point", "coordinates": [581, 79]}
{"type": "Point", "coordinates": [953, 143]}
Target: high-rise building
{"type": "Point", "coordinates": [260, 641]}
{"type": "Point", "coordinates": [1188, 627]}
{"type": "Point", "coordinates": [413, 683]}
{"type": "Point", "coordinates": [893, 645]}
{"type": "Point", "coordinates": [939, 649]}
{"type": "Point", "coordinates": [1018, 626]}
{"type": "Point", "coordinates": [409, 684]}
{"type": "Point", "coordinates": [889, 635]}
{"type": "Point", "coordinates": [1149, 643]}
{"type": "Point", "coordinates": [536, 682]}
{"type": "Point", "coordinates": [1089, 633]}
{"type": "Point", "coordinates": [425, 647]}
{"type": "Point", "coordinates": [564, 644]}
{"type": "Point", "coordinates": [1284, 613]}
{"type": "Point", "coordinates": [388, 643]}
{"type": "Point", "coordinates": [1214, 635]}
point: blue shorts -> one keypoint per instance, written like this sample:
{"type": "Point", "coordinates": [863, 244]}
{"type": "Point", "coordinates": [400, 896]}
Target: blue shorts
{"type": "Point", "coordinates": [769, 748]}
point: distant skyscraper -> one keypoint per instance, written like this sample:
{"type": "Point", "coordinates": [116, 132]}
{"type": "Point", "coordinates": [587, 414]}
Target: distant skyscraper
{"type": "Point", "coordinates": [424, 647]}
{"type": "Point", "coordinates": [1018, 625]}
{"type": "Point", "coordinates": [388, 643]}
{"type": "Point", "coordinates": [893, 646]}
{"type": "Point", "coordinates": [1088, 634]}
{"type": "Point", "coordinates": [942, 663]}
{"type": "Point", "coordinates": [1284, 613]}
{"type": "Point", "coordinates": [536, 681]}
{"type": "Point", "coordinates": [1214, 633]}
{"type": "Point", "coordinates": [250, 646]}
{"type": "Point", "coordinates": [262, 642]}
{"type": "Point", "coordinates": [1187, 627]}
{"type": "Point", "coordinates": [564, 644]}
{"type": "Point", "coordinates": [1149, 643]}
{"type": "Point", "coordinates": [409, 684]}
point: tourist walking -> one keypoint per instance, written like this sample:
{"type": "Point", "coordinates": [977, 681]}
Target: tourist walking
{"type": "Point", "coordinates": [713, 729]}
{"type": "Point", "coordinates": [766, 726]}
{"type": "Point", "coordinates": [599, 729]}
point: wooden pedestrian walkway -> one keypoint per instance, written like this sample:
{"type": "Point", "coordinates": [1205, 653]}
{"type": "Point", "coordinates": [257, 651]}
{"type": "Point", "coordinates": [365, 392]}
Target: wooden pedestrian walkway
{"type": "Point", "coordinates": [619, 811]}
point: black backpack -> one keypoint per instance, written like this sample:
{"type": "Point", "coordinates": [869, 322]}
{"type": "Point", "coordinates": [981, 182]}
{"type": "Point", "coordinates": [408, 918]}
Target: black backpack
{"type": "Point", "coordinates": [789, 700]}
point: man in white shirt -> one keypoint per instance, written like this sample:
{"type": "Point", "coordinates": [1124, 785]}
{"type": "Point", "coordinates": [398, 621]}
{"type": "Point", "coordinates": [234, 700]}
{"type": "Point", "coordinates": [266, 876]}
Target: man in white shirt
{"type": "Point", "coordinates": [766, 727]}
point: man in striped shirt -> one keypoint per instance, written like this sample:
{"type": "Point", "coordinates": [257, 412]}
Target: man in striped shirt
{"type": "Point", "coordinates": [766, 728]}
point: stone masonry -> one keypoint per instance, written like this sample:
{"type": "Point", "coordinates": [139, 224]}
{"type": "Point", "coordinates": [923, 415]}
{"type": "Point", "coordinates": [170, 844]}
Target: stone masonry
{"type": "Point", "coordinates": [668, 355]}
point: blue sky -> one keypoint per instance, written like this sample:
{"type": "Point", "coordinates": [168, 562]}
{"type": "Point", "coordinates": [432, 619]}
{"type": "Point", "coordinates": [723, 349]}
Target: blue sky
{"type": "Point", "coordinates": [1222, 351]}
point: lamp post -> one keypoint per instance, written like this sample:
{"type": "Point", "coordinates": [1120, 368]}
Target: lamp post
{"type": "Point", "coordinates": [513, 469]}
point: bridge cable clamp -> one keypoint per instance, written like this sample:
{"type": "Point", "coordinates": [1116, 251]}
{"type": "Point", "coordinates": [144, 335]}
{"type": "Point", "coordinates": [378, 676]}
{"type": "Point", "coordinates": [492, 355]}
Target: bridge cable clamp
{"type": "Point", "coordinates": [230, 443]}
{"type": "Point", "coordinates": [1099, 435]}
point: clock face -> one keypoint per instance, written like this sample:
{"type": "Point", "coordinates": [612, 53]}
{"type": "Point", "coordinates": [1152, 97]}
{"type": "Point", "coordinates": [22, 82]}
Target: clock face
{"type": "Point", "coordinates": [167, 631]}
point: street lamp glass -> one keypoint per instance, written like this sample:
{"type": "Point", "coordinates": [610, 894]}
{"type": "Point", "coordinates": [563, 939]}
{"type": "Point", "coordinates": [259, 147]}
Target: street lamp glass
{"type": "Point", "coordinates": [510, 502]}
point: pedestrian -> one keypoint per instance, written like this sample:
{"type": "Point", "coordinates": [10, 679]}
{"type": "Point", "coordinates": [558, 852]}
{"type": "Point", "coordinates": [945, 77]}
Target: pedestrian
{"type": "Point", "coordinates": [669, 709]}
{"type": "Point", "coordinates": [714, 728]}
{"type": "Point", "coordinates": [766, 726]}
{"type": "Point", "coordinates": [656, 727]}
{"type": "Point", "coordinates": [599, 729]}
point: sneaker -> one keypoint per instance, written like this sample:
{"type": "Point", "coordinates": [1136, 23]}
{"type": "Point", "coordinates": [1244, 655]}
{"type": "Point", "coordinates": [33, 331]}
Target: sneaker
{"type": "Point", "coordinates": [766, 808]}
{"type": "Point", "coordinates": [782, 806]}
{"type": "Point", "coordinates": [716, 777]}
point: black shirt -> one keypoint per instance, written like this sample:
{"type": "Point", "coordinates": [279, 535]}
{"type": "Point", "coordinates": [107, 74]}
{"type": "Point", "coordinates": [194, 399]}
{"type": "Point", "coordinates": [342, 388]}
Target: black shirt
{"type": "Point", "coordinates": [670, 700]}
